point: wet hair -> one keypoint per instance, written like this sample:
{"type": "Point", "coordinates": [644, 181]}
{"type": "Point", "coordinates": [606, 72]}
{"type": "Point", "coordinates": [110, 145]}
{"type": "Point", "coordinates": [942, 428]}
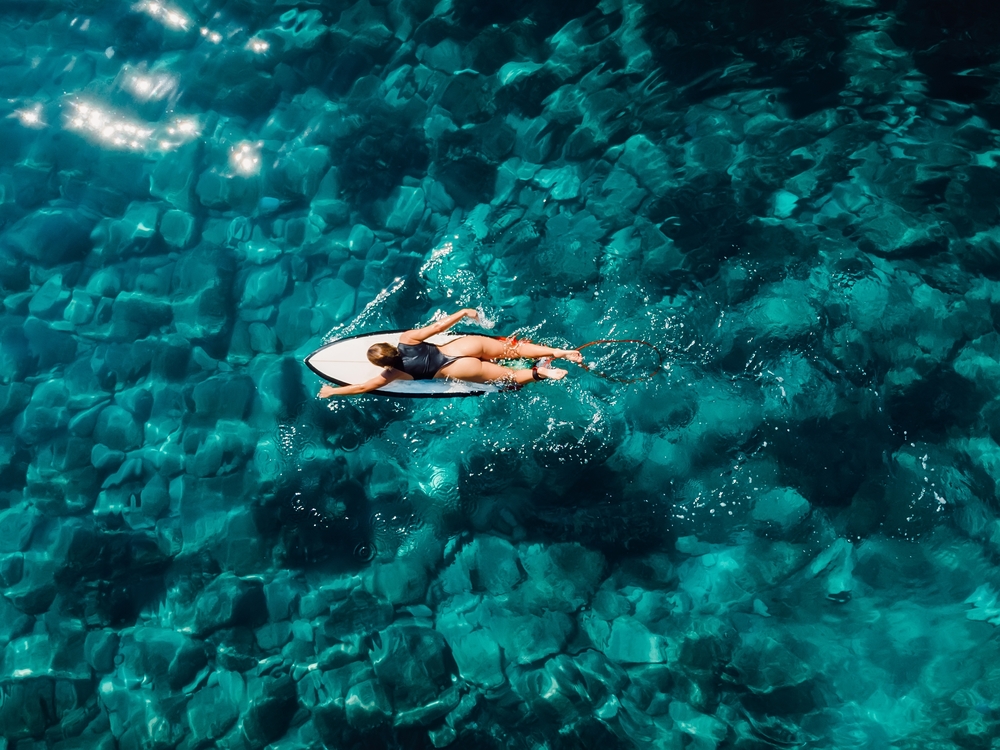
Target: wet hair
{"type": "Point", "coordinates": [385, 355]}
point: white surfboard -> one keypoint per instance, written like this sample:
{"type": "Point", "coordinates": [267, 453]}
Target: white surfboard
{"type": "Point", "coordinates": [345, 362]}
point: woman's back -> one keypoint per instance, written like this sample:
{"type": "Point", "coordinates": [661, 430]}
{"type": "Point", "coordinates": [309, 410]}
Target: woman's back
{"type": "Point", "coordinates": [422, 361]}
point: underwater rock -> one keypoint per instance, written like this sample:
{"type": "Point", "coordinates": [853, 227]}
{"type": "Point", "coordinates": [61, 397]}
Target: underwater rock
{"type": "Point", "coordinates": [301, 172]}
{"type": "Point", "coordinates": [357, 613]}
{"type": "Point", "coordinates": [527, 638]}
{"type": "Point", "coordinates": [133, 234]}
{"type": "Point", "coordinates": [566, 689]}
{"type": "Point", "coordinates": [50, 343]}
{"type": "Point", "coordinates": [477, 655]}
{"type": "Point", "coordinates": [695, 724]}
{"type": "Point", "coordinates": [561, 577]}
{"type": "Point", "coordinates": [295, 317]}
{"type": "Point", "coordinates": [162, 656]}
{"type": "Point", "coordinates": [300, 29]}
{"type": "Point", "coordinates": [136, 315]}
{"type": "Point", "coordinates": [104, 458]}
{"type": "Point", "coordinates": [100, 649]}
{"type": "Point", "coordinates": [400, 582]}
{"type": "Point", "coordinates": [117, 429]}
{"type": "Point", "coordinates": [13, 398]}
{"type": "Point", "coordinates": [201, 303]}
{"type": "Point", "coordinates": [174, 175]}
{"type": "Point", "coordinates": [562, 184]}
{"type": "Point", "coordinates": [16, 527]}
{"type": "Point", "coordinates": [50, 236]}
{"type": "Point", "coordinates": [224, 396]}
{"type": "Point", "coordinates": [228, 601]}
{"type": "Point", "coordinates": [410, 663]}
{"type": "Point", "coordinates": [210, 713]}
{"type": "Point", "coordinates": [780, 508]}
{"type": "Point", "coordinates": [407, 210]}
{"type": "Point", "coordinates": [13, 623]}
{"type": "Point", "coordinates": [571, 248]}
{"type": "Point", "coordinates": [495, 564]}
{"type": "Point", "coordinates": [766, 665]}
{"type": "Point", "coordinates": [270, 715]}
{"type": "Point", "coordinates": [429, 712]}
{"type": "Point", "coordinates": [648, 164]}
{"type": "Point", "coordinates": [35, 590]}
{"type": "Point", "coordinates": [230, 82]}
{"type": "Point", "coordinates": [177, 228]}
{"type": "Point", "coordinates": [327, 202]}
{"type": "Point", "coordinates": [628, 641]}
{"type": "Point", "coordinates": [367, 705]}
{"type": "Point", "coordinates": [836, 564]}
{"type": "Point", "coordinates": [337, 298]}
{"type": "Point", "coordinates": [45, 414]}
{"type": "Point", "coordinates": [923, 486]}
{"type": "Point", "coordinates": [50, 299]}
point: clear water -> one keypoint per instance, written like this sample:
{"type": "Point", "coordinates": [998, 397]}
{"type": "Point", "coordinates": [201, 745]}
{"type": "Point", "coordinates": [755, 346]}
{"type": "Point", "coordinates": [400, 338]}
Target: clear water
{"type": "Point", "coordinates": [787, 537]}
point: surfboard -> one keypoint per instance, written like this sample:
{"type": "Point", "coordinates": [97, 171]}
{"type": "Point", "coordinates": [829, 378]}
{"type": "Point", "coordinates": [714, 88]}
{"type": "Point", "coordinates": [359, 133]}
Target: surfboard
{"type": "Point", "coordinates": [345, 362]}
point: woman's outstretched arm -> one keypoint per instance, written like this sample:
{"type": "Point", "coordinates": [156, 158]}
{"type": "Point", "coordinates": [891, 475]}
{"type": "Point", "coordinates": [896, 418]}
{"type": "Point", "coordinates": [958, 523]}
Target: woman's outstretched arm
{"type": "Point", "coordinates": [383, 378]}
{"type": "Point", "coordinates": [416, 335]}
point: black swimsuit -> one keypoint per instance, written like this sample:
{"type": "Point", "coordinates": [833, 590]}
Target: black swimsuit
{"type": "Point", "coordinates": [422, 361]}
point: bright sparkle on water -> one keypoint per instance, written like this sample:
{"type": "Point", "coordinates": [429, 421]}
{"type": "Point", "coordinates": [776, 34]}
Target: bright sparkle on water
{"type": "Point", "coordinates": [151, 86]}
{"type": "Point", "coordinates": [113, 129]}
{"type": "Point", "coordinates": [213, 36]}
{"type": "Point", "coordinates": [245, 159]}
{"type": "Point", "coordinates": [170, 17]}
{"type": "Point", "coordinates": [30, 117]}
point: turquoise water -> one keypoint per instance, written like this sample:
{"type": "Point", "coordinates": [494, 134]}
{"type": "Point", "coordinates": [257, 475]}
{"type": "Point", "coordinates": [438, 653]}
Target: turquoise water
{"type": "Point", "coordinates": [788, 537]}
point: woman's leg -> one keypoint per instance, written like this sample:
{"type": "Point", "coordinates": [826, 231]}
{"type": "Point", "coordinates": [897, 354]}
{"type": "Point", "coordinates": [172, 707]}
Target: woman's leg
{"type": "Point", "coordinates": [474, 370]}
{"type": "Point", "coordinates": [484, 347]}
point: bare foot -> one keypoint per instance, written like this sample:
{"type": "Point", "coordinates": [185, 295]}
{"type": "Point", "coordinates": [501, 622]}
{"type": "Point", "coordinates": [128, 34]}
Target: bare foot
{"type": "Point", "coordinates": [572, 355]}
{"type": "Point", "coordinates": [549, 373]}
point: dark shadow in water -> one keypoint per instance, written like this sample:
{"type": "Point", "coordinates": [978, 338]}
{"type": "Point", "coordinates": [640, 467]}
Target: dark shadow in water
{"type": "Point", "coordinates": [953, 44]}
{"type": "Point", "coordinates": [793, 45]}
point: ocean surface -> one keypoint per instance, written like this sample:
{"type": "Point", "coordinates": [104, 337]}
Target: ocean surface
{"type": "Point", "coordinates": [786, 537]}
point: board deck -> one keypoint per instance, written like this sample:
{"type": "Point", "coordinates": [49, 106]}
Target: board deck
{"type": "Point", "coordinates": [345, 362]}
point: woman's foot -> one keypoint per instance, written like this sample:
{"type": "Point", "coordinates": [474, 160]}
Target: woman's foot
{"type": "Point", "coordinates": [571, 355]}
{"type": "Point", "coordinates": [545, 372]}
{"type": "Point", "coordinates": [551, 373]}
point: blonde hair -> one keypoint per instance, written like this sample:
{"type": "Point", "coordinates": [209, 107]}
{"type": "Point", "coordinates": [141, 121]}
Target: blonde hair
{"type": "Point", "coordinates": [385, 355]}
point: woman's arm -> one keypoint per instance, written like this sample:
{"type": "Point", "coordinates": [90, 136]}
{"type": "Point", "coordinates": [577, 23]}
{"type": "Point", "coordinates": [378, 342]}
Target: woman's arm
{"type": "Point", "coordinates": [383, 378]}
{"type": "Point", "coordinates": [416, 335]}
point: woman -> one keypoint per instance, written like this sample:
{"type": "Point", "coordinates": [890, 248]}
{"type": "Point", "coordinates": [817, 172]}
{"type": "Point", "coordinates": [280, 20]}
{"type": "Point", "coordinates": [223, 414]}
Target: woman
{"type": "Point", "coordinates": [466, 358]}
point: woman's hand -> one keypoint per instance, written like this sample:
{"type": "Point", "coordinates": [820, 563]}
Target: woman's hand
{"type": "Point", "coordinates": [471, 313]}
{"type": "Point", "coordinates": [326, 391]}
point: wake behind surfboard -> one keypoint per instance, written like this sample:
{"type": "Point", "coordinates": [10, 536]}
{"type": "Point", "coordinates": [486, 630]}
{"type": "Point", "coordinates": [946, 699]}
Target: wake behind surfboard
{"type": "Point", "coordinates": [345, 362]}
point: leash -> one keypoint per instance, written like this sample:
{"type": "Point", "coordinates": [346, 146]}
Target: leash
{"type": "Point", "coordinates": [612, 378]}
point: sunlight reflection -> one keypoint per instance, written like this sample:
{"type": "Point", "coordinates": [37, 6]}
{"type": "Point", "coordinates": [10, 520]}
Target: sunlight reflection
{"type": "Point", "coordinates": [30, 117]}
{"type": "Point", "coordinates": [168, 16]}
{"type": "Point", "coordinates": [245, 159]}
{"type": "Point", "coordinates": [149, 86]}
{"type": "Point", "coordinates": [213, 36]}
{"type": "Point", "coordinates": [113, 129]}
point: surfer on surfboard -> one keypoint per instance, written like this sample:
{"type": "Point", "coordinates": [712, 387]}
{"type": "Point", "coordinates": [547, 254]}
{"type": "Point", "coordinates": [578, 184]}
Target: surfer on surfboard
{"type": "Point", "coordinates": [467, 358]}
